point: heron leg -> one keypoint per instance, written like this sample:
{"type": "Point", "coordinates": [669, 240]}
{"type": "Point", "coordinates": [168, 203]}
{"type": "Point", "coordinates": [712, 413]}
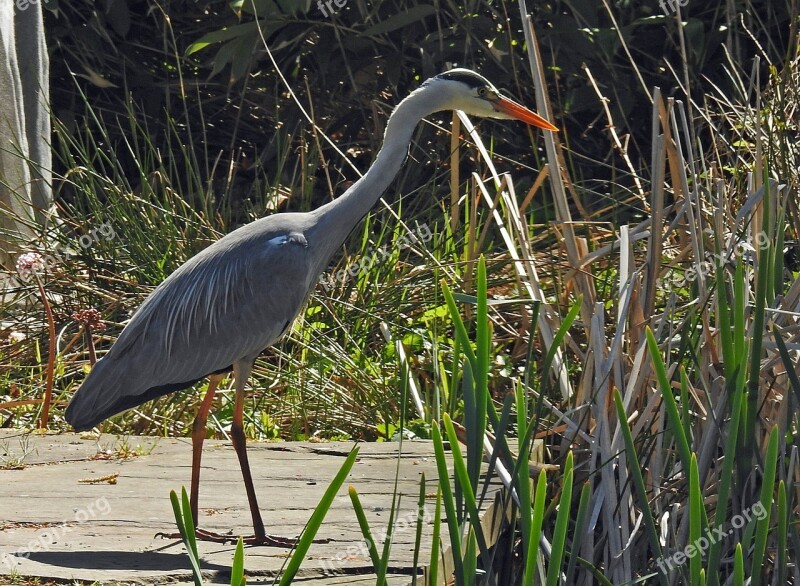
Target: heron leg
{"type": "Point", "coordinates": [198, 437]}
{"type": "Point", "coordinates": [241, 372]}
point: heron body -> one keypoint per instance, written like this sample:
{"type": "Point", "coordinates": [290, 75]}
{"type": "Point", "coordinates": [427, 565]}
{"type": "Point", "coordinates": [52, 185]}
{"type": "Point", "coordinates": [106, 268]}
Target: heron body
{"type": "Point", "coordinates": [216, 309]}
{"type": "Point", "coordinates": [220, 309]}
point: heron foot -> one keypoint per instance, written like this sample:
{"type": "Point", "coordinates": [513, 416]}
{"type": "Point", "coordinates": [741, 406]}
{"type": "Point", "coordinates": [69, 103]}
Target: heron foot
{"type": "Point", "coordinates": [276, 540]}
{"type": "Point", "coordinates": [266, 539]}
{"type": "Point", "coordinates": [270, 541]}
{"type": "Point", "coordinates": [202, 535]}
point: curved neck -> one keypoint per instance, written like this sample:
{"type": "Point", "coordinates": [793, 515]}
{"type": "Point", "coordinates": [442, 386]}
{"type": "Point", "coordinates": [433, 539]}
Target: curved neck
{"type": "Point", "coordinates": [336, 219]}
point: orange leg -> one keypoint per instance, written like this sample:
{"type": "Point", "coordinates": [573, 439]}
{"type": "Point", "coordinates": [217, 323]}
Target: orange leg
{"type": "Point", "coordinates": [198, 437]}
{"type": "Point", "coordinates": [241, 371]}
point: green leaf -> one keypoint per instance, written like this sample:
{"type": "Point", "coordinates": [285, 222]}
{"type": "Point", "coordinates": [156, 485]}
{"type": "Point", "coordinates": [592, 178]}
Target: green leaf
{"type": "Point", "coordinates": [782, 532]}
{"type": "Point", "coordinates": [767, 486]}
{"type": "Point", "coordinates": [317, 517]}
{"type": "Point", "coordinates": [638, 479]}
{"type": "Point", "coordinates": [763, 278]}
{"type": "Point", "coordinates": [562, 522]}
{"type": "Point", "coordinates": [695, 523]}
{"type": "Point", "coordinates": [476, 427]}
{"type": "Point", "coordinates": [581, 522]}
{"type": "Point", "coordinates": [532, 555]}
{"type": "Point", "coordinates": [363, 524]}
{"type": "Point", "coordinates": [226, 34]}
{"type": "Point", "coordinates": [418, 532]}
{"type": "Point", "coordinates": [433, 566]}
{"type": "Point", "coordinates": [458, 325]}
{"type": "Point", "coordinates": [400, 20]}
{"type": "Point", "coordinates": [449, 503]}
{"type": "Point", "coordinates": [237, 570]}
{"type": "Point", "coordinates": [182, 528]}
{"type": "Point", "coordinates": [470, 559]}
{"type": "Point", "coordinates": [738, 567]}
{"type": "Point", "coordinates": [735, 389]}
{"type": "Point", "coordinates": [461, 473]}
{"type": "Point", "coordinates": [242, 54]}
{"type": "Point", "coordinates": [669, 399]}
{"type": "Point", "coordinates": [188, 522]}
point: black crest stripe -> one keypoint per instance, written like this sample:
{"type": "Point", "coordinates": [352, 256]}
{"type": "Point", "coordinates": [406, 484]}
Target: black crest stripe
{"type": "Point", "coordinates": [470, 79]}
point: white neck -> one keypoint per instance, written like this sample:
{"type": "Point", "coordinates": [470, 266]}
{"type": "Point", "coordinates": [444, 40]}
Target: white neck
{"type": "Point", "coordinates": [335, 220]}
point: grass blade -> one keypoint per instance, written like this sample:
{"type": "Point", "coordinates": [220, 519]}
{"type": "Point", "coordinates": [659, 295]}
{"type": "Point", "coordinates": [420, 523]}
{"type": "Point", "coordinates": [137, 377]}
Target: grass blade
{"type": "Point", "coordinates": [581, 521]}
{"type": "Point", "coordinates": [461, 473]}
{"type": "Point", "coordinates": [738, 567]}
{"type": "Point", "coordinates": [363, 524]}
{"type": "Point", "coordinates": [418, 529]}
{"type": "Point", "coordinates": [735, 389]}
{"type": "Point", "coordinates": [449, 503]}
{"type": "Point", "coordinates": [190, 543]}
{"type": "Point", "coordinates": [562, 522]}
{"type": "Point", "coordinates": [782, 533]}
{"type": "Point", "coordinates": [433, 566]}
{"type": "Point", "coordinates": [537, 520]}
{"type": "Point", "coordinates": [316, 519]}
{"type": "Point", "coordinates": [237, 570]}
{"type": "Point", "coordinates": [188, 522]}
{"type": "Point", "coordinates": [695, 521]}
{"type": "Point", "coordinates": [669, 400]}
{"type": "Point", "coordinates": [767, 486]}
{"type": "Point", "coordinates": [636, 474]}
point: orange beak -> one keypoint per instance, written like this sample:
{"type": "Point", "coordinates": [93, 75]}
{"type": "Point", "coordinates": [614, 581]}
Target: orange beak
{"type": "Point", "coordinates": [520, 112]}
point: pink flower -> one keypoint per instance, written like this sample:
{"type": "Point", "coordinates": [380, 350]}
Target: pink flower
{"type": "Point", "coordinates": [90, 318]}
{"type": "Point", "coordinates": [30, 262]}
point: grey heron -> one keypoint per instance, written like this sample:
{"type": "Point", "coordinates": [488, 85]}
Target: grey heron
{"type": "Point", "coordinates": [220, 309]}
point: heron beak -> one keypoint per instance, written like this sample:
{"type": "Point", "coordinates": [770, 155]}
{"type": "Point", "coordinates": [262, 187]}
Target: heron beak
{"type": "Point", "coordinates": [520, 112]}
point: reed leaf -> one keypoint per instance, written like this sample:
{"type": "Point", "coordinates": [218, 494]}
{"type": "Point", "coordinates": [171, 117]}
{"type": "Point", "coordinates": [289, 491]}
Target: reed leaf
{"type": "Point", "coordinates": [767, 487]}
{"type": "Point", "coordinates": [669, 400]}
{"type": "Point", "coordinates": [316, 519]}
{"type": "Point", "coordinates": [237, 570]}
{"type": "Point", "coordinates": [448, 499]}
{"type": "Point", "coordinates": [559, 544]}
{"type": "Point", "coordinates": [183, 519]}
{"type": "Point", "coordinates": [366, 532]}
{"type": "Point", "coordinates": [696, 510]}
{"type": "Point", "coordinates": [536, 524]}
{"type": "Point", "coordinates": [638, 480]}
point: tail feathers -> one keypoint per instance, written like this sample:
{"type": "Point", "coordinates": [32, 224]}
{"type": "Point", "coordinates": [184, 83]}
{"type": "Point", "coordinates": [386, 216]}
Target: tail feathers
{"type": "Point", "coordinates": [109, 390]}
{"type": "Point", "coordinates": [97, 397]}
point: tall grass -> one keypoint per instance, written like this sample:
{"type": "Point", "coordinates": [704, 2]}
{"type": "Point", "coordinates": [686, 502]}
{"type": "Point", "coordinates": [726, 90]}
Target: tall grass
{"type": "Point", "coordinates": [653, 365]}
{"type": "Point", "coordinates": [689, 465]}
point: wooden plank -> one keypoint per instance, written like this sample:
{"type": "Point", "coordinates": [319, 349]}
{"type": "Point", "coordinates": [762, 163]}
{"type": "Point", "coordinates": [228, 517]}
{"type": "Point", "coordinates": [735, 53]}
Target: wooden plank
{"type": "Point", "coordinates": [54, 526]}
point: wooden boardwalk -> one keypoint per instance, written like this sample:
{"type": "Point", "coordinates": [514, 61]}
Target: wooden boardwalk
{"type": "Point", "coordinates": [55, 525]}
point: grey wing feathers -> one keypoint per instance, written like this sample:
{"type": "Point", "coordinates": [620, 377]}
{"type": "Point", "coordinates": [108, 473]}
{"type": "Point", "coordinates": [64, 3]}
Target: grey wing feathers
{"type": "Point", "coordinates": [227, 303]}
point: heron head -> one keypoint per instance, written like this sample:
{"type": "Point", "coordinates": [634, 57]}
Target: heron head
{"type": "Point", "coordinates": [475, 95]}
